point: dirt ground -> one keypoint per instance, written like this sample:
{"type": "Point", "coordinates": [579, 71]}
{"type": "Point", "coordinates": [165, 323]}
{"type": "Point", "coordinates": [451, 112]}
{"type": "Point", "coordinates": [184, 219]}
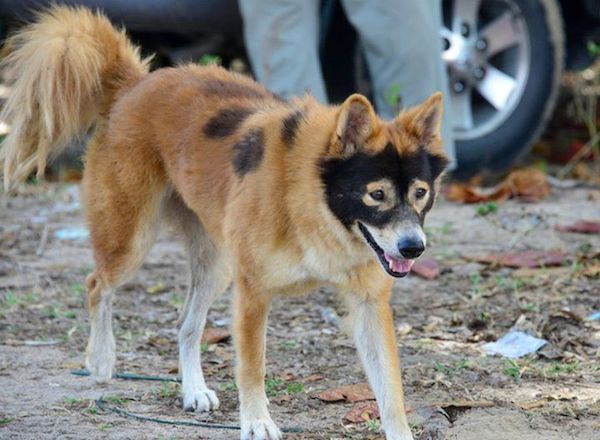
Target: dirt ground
{"type": "Point", "coordinates": [453, 389]}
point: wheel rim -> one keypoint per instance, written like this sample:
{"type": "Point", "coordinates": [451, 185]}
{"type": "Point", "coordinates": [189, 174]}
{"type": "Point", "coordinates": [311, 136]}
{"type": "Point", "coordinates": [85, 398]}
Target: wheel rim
{"type": "Point", "coordinates": [486, 50]}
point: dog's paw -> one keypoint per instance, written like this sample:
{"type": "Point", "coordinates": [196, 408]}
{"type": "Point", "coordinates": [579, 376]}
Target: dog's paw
{"type": "Point", "coordinates": [100, 368]}
{"type": "Point", "coordinates": [200, 400]}
{"type": "Point", "coordinates": [260, 430]}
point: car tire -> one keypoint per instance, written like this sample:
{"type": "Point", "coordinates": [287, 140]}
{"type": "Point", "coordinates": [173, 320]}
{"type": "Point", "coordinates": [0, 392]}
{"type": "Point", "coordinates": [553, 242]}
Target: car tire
{"type": "Point", "coordinates": [499, 148]}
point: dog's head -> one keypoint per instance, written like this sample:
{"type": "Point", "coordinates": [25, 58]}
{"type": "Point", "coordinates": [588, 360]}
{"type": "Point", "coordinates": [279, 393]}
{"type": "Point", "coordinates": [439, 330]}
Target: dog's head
{"type": "Point", "coordinates": [381, 178]}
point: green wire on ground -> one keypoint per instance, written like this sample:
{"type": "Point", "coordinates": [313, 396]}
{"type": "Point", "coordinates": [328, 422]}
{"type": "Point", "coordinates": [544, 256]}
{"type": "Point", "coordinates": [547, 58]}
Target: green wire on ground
{"type": "Point", "coordinates": [130, 376]}
{"type": "Point", "coordinates": [101, 404]}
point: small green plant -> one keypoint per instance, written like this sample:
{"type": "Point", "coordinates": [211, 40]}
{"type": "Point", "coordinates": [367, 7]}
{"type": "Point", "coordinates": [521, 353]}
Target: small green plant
{"type": "Point", "coordinates": [373, 425]}
{"type": "Point", "coordinates": [530, 307]}
{"type": "Point", "coordinates": [91, 409]}
{"type": "Point", "coordinates": [393, 97]}
{"type": "Point", "coordinates": [486, 209]}
{"type": "Point", "coordinates": [442, 368]}
{"type": "Point", "coordinates": [463, 364]}
{"type": "Point", "coordinates": [559, 368]}
{"type": "Point", "coordinates": [228, 386]}
{"type": "Point", "coordinates": [204, 347]}
{"type": "Point", "coordinates": [512, 369]}
{"type": "Point", "coordinates": [295, 388]}
{"type": "Point", "coordinates": [51, 312]}
{"type": "Point", "coordinates": [514, 284]}
{"type": "Point", "coordinates": [272, 386]}
{"type": "Point", "coordinates": [115, 400]}
{"type": "Point", "coordinates": [5, 420]}
{"type": "Point", "coordinates": [74, 401]}
{"type": "Point", "coordinates": [290, 344]}
{"type": "Point", "coordinates": [593, 48]}
{"type": "Point", "coordinates": [476, 283]}
{"type": "Point", "coordinates": [169, 390]}
{"type": "Point", "coordinates": [78, 289]}
{"type": "Point", "coordinates": [208, 59]}
{"type": "Point", "coordinates": [70, 314]}
{"type": "Point", "coordinates": [451, 369]}
{"type": "Point", "coordinates": [104, 427]}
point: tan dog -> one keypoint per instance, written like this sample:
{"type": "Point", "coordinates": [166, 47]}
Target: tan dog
{"type": "Point", "coordinates": [279, 197]}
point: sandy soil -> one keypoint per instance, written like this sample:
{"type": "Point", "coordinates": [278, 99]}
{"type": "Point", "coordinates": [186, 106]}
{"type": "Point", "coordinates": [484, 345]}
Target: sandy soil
{"type": "Point", "coordinates": [442, 324]}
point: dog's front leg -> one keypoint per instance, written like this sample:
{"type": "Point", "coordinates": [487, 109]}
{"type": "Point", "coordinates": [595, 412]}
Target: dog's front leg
{"type": "Point", "coordinates": [251, 309]}
{"type": "Point", "coordinates": [372, 328]}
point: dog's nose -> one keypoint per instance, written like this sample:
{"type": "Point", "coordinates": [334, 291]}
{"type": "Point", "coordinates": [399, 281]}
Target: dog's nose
{"type": "Point", "coordinates": [411, 247]}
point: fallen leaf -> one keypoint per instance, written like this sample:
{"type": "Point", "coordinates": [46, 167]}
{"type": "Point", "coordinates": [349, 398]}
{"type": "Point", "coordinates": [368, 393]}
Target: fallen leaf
{"type": "Point", "coordinates": [313, 378]}
{"type": "Point", "coordinates": [529, 184]}
{"type": "Point", "coordinates": [214, 335]}
{"type": "Point", "coordinates": [157, 288]}
{"type": "Point", "coordinates": [427, 268]}
{"type": "Point", "coordinates": [581, 227]}
{"type": "Point", "coordinates": [592, 271]}
{"type": "Point", "coordinates": [350, 393]}
{"type": "Point", "coordinates": [362, 412]}
{"type": "Point", "coordinates": [532, 404]}
{"type": "Point", "coordinates": [541, 273]}
{"type": "Point", "coordinates": [530, 259]}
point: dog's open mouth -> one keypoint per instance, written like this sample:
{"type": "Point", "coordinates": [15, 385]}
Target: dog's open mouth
{"type": "Point", "coordinates": [396, 267]}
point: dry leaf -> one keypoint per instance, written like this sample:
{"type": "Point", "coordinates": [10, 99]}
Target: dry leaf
{"type": "Point", "coordinates": [529, 184]}
{"type": "Point", "coordinates": [426, 268]}
{"type": "Point", "coordinates": [214, 335]}
{"type": "Point", "coordinates": [157, 288]}
{"type": "Point", "coordinates": [351, 393]}
{"type": "Point", "coordinates": [581, 227]}
{"type": "Point", "coordinates": [530, 259]}
{"type": "Point", "coordinates": [532, 404]}
{"type": "Point", "coordinates": [362, 412]}
{"type": "Point", "coordinates": [592, 271]}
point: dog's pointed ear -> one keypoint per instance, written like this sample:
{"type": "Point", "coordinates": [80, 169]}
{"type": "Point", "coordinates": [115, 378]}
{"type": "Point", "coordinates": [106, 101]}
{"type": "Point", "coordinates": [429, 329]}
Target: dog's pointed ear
{"type": "Point", "coordinates": [355, 125]}
{"type": "Point", "coordinates": [425, 119]}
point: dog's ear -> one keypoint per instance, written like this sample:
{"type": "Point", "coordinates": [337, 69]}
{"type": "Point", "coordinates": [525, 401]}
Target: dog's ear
{"type": "Point", "coordinates": [356, 123]}
{"type": "Point", "coordinates": [425, 120]}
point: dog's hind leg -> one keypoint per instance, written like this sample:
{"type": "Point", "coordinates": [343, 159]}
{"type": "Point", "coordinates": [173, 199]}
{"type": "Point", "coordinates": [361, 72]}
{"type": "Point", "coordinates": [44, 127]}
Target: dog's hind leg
{"type": "Point", "coordinates": [124, 205]}
{"type": "Point", "coordinates": [210, 275]}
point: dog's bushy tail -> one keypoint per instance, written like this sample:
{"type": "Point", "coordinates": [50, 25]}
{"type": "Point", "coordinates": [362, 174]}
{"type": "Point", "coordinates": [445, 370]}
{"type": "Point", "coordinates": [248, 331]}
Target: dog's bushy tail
{"type": "Point", "coordinates": [66, 69]}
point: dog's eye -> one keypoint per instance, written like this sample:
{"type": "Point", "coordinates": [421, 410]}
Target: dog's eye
{"type": "Point", "coordinates": [420, 193]}
{"type": "Point", "coordinates": [377, 195]}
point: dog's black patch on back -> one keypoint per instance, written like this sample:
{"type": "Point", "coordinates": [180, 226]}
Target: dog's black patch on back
{"type": "Point", "coordinates": [248, 152]}
{"type": "Point", "coordinates": [345, 182]}
{"type": "Point", "coordinates": [226, 122]}
{"type": "Point", "coordinates": [290, 126]}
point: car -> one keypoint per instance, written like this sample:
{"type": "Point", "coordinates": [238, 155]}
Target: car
{"type": "Point", "coordinates": [505, 58]}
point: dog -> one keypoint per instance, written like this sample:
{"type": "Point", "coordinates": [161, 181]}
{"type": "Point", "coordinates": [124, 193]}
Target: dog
{"type": "Point", "coordinates": [274, 196]}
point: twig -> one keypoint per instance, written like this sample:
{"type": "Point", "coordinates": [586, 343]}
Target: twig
{"type": "Point", "coordinates": [43, 242]}
{"type": "Point", "coordinates": [100, 403]}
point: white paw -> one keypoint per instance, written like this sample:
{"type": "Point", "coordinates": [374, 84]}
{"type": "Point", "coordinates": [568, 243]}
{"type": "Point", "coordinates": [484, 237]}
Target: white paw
{"type": "Point", "coordinates": [260, 430]}
{"type": "Point", "coordinates": [200, 400]}
{"type": "Point", "coordinates": [100, 367]}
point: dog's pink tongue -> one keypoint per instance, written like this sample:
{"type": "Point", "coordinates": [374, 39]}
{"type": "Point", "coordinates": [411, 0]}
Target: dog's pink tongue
{"type": "Point", "coordinates": [400, 266]}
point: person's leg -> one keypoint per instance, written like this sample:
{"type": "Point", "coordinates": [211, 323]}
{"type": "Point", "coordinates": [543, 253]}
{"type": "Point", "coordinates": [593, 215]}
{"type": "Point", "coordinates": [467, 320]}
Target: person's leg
{"type": "Point", "coordinates": [402, 42]}
{"type": "Point", "coordinates": [282, 39]}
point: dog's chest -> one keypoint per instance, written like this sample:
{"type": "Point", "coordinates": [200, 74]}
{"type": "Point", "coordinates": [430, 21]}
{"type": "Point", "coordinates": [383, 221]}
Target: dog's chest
{"type": "Point", "coordinates": [314, 267]}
